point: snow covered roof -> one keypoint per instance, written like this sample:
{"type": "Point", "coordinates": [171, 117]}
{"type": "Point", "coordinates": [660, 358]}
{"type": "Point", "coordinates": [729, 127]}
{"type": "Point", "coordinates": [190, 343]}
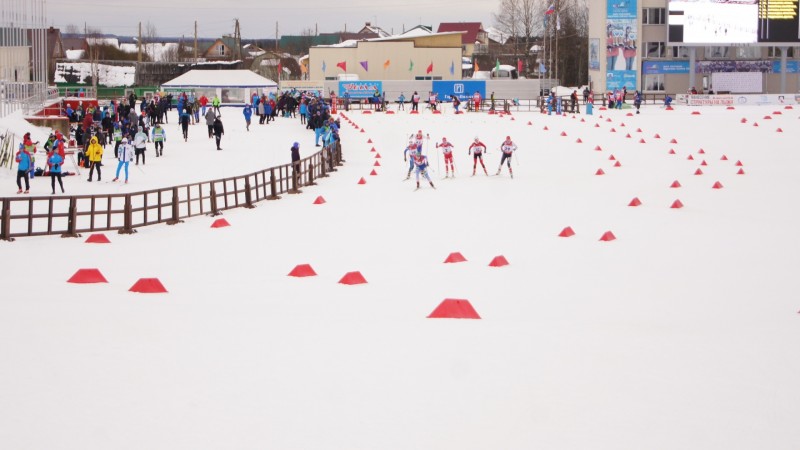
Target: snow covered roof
{"type": "Point", "coordinates": [107, 75]}
{"type": "Point", "coordinates": [219, 78]}
{"type": "Point", "coordinates": [156, 51]}
{"type": "Point", "coordinates": [497, 35]}
{"type": "Point", "coordinates": [416, 32]}
{"type": "Point", "coordinates": [74, 54]}
{"type": "Point", "coordinates": [113, 42]}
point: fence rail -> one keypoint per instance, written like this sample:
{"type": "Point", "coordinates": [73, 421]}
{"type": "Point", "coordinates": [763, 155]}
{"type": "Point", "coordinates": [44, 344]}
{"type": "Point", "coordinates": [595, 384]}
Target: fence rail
{"type": "Point", "coordinates": [69, 216]}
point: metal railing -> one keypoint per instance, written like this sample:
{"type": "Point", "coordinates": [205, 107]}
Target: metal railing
{"type": "Point", "coordinates": [69, 216]}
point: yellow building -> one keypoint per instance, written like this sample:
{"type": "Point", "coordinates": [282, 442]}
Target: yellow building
{"type": "Point", "coordinates": [430, 57]}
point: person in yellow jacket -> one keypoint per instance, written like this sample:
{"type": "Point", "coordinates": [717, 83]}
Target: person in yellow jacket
{"type": "Point", "coordinates": [95, 155]}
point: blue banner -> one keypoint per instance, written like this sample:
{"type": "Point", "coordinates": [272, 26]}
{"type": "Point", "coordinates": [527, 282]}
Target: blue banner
{"type": "Point", "coordinates": [462, 89]}
{"type": "Point", "coordinates": [621, 78]}
{"type": "Point", "coordinates": [792, 66]}
{"type": "Point", "coordinates": [663, 67]}
{"type": "Point", "coordinates": [360, 89]}
{"type": "Point", "coordinates": [622, 41]}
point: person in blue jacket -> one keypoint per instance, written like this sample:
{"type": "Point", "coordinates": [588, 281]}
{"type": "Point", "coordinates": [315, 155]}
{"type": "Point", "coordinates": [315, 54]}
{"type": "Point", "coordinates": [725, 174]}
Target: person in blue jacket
{"type": "Point", "coordinates": [248, 114]}
{"type": "Point", "coordinates": [303, 111]}
{"type": "Point", "coordinates": [24, 164]}
{"type": "Point", "coordinates": [54, 162]}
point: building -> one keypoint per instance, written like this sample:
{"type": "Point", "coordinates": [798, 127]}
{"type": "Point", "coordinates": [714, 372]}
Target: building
{"type": "Point", "coordinates": [426, 57]}
{"type": "Point", "coordinates": [669, 46]}
{"type": "Point", "coordinates": [474, 39]}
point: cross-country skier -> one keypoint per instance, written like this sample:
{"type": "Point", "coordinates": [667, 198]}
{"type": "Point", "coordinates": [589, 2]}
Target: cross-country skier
{"type": "Point", "coordinates": [508, 148]}
{"type": "Point", "coordinates": [447, 152]}
{"type": "Point", "coordinates": [408, 155]}
{"type": "Point", "coordinates": [418, 140]}
{"type": "Point", "coordinates": [159, 136]}
{"type": "Point", "coordinates": [477, 148]}
{"type": "Point", "coordinates": [421, 161]}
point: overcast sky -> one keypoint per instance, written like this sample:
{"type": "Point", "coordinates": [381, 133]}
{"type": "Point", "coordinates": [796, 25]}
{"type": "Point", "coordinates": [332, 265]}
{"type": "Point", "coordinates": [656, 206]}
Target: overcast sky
{"type": "Point", "coordinates": [258, 17]}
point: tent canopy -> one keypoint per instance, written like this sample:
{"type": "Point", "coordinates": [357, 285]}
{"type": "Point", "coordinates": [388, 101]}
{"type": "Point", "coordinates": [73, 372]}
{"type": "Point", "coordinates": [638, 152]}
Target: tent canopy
{"type": "Point", "coordinates": [220, 79]}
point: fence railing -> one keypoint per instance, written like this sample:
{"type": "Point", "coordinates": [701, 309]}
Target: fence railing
{"type": "Point", "coordinates": [69, 216]}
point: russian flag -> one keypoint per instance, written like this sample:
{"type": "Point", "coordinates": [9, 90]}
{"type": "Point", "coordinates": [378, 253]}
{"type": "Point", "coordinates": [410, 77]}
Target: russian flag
{"type": "Point", "coordinates": [550, 10]}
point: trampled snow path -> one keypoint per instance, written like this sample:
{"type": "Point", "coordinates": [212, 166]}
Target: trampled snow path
{"type": "Point", "coordinates": [681, 333]}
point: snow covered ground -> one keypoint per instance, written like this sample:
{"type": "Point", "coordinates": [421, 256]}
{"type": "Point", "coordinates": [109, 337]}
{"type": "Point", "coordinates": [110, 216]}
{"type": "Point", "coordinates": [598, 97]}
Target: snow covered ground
{"type": "Point", "coordinates": [681, 333]}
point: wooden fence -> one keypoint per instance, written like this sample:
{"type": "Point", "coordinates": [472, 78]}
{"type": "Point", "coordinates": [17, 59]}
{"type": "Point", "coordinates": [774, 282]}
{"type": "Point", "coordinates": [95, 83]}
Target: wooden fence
{"type": "Point", "coordinates": [70, 216]}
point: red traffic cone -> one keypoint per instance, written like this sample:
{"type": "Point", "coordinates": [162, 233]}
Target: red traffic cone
{"type": "Point", "coordinates": [220, 223]}
{"type": "Point", "coordinates": [373, 173]}
{"type": "Point", "coordinates": [698, 172]}
{"type": "Point", "coordinates": [319, 201]}
{"type": "Point", "coordinates": [362, 181]}
{"type": "Point", "coordinates": [635, 202]}
{"type": "Point", "coordinates": [302, 270]}
{"type": "Point", "coordinates": [567, 232]}
{"type": "Point", "coordinates": [607, 236]}
{"type": "Point", "coordinates": [377, 163]}
{"type": "Point", "coordinates": [677, 204]}
{"type": "Point", "coordinates": [617, 164]}
{"type": "Point", "coordinates": [498, 261]}
{"type": "Point", "coordinates": [675, 184]}
{"type": "Point", "coordinates": [455, 257]}
{"type": "Point", "coordinates": [717, 185]}
{"type": "Point", "coordinates": [599, 172]}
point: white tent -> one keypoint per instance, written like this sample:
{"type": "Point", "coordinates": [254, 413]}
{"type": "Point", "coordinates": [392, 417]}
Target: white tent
{"type": "Point", "coordinates": [232, 86]}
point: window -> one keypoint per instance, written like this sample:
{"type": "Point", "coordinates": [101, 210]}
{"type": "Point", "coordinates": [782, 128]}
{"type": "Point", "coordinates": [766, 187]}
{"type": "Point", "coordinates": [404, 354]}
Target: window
{"type": "Point", "coordinates": [679, 52]}
{"type": "Point", "coordinates": [654, 50]}
{"type": "Point", "coordinates": [775, 52]}
{"type": "Point", "coordinates": [748, 52]}
{"type": "Point", "coordinates": [428, 78]}
{"type": "Point", "coordinates": [654, 16]}
{"type": "Point", "coordinates": [221, 50]}
{"type": "Point", "coordinates": [717, 52]}
{"type": "Point", "coordinates": [654, 83]}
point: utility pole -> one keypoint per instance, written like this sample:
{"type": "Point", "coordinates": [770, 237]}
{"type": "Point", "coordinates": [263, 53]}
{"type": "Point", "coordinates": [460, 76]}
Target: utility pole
{"type": "Point", "coordinates": [140, 41]}
{"type": "Point", "coordinates": [195, 42]}
{"type": "Point", "coordinates": [237, 39]}
{"type": "Point", "coordinates": [276, 35]}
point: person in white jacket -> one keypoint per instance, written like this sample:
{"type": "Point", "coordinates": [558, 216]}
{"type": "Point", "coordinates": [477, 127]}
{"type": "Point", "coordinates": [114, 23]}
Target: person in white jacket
{"type": "Point", "coordinates": [140, 144]}
{"type": "Point", "coordinates": [125, 157]}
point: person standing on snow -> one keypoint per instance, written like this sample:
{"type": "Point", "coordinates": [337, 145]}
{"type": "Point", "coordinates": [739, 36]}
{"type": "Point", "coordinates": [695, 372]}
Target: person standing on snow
{"type": "Point", "coordinates": [24, 164]}
{"type": "Point", "coordinates": [216, 102]}
{"type": "Point", "coordinates": [408, 154]}
{"type": "Point", "coordinates": [210, 117]}
{"type": "Point", "coordinates": [447, 152]}
{"type": "Point", "coordinates": [95, 154]}
{"type": "Point", "coordinates": [415, 102]}
{"type": "Point", "coordinates": [421, 162]}
{"type": "Point", "coordinates": [54, 162]}
{"type": "Point", "coordinates": [248, 114]}
{"type": "Point", "coordinates": [418, 140]}
{"type": "Point", "coordinates": [184, 119]}
{"type": "Point", "coordinates": [219, 130]}
{"type": "Point", "coordinates": [477, 148]}
{"type": "Point", "coordinates": [508, 148]}
{"type": "Point", "coordinates": [125, 157]}
{"type": "Point", "coordinates": [159, 136]}
{"type": "Point", "coordinates": [637, 101]}
{"type": "Point", "coordinates": [140, 145]}
{"type": "Point", "coordinates": [296, 161]}
{"type": "Point", "coordinates": [117, 138]}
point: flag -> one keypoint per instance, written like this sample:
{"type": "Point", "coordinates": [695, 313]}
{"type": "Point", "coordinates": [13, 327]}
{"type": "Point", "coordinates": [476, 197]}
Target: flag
{"type": "Point", "coordinates": [519, 66]}
{"type": "Point", "coordinates": [558, 22]}
{"type": "Point", "coordinates": [386, 64]}
{"type": "Point", "coordinates": [430, 68]}
{"type": "Point", "coordinates": [342, 65]}
{"type": "Point", "coordinates": [551, 9]}
{"type": "Point", "coordinates": [497, 65]}
{"type": "Point", "coordinates": [324, 67]}
{"type": "Point", "coordinates": [365, 65]}
{"type": "Point", "coordinates": [410, 65]}
{"type": "Point", "coordinates": [452, 68]}
{"type": "Point", "coordinates": [542, 69]}
{"type": "Point", "coordinates": [279, 69]}
{"type": "Point", "coordinates": [477, 68]}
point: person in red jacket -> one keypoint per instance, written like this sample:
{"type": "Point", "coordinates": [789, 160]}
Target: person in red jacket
{"type": "Point", "coordinates": [477, 149]}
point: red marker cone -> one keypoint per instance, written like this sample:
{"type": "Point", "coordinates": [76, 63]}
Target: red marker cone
{"type": "Point", "coordinates": [455, 257]}
{"type": "Point", "coordinates": [567, 232]}
{"type": "Point", "coordinates": [319, 201]}
{"type": "Point", "coordinates": [377, 155]}
{"type": "Point", "coordinates": [220, 223]}
{"type": "Point", "coordinates": [740, 172]}
{"type": "Point", "coordinates": [717, 185]}
{"type": "Point", "coordinates": [701, 151]}
{"type": "Point", "coordinates": [673, 141]}
{"type": "Point", "coordinates": [612, 158]}
{"type": "Point", "coordinates": [779, 130]}
{"type": "Point", "coordinates": [635, 202]}
{"type": "Point", "coordinates": [148, 286]}
{"type": "Point", "coordinates": [598, 148]}
{"type": "Point", "coordinates": [739, 164]}
{"type": "Point", "coordinates": [677, 204]}
{"type": "Point", "coordinates": [351, 278]}
{"type": "Point", "coordinates": [599, 172]}
{"type": "Point", "coordinates": [302, 270]}
{"type": "Point", "coordinates": [362, 181]}
{"type": "Point", "coordinates": [724, 158]}
{"type": "Point", "coordinates": [369, 141]}
{"type": "Point", "coordinates": [675, 184]}
{"type": "Point", "coordinates": [98, 238]}
{"type": "Point", "coordinates": [452, 308]}
{"type": "Point", "coordinates": [377, 163]}
{"type": "Point", "coordinates": [373, 173]}
{"type": "Point", "coordinates": [698, 172]}
{"type": "Point", "coordinates": [657, 136]}
{"type": "Point", "coordinates": [607, 236]}
{"type": "Point", "coordinates": [579, 141]}
{"type": "Point", "coordinates": [498, 261]}
{"type": "Point", "coordinates": [671, 151]}
{"type": "Point", "coordinates": [642, 141]}
{"type": "Point", "coordinates": [690, 158]}
{"type": "Point", "coordinates": [617, 164]}
{"type": "Point", "coordinates": [695, 113]}
{"type": "Point", "coordinates": [86, 276]}
{"type": "Point", "coordinates": [563, 133]}
{"type": "Point", "coordinates": [704, 163]}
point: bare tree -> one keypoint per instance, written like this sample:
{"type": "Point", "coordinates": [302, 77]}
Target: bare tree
{"type": "Point", "coordinates": [150, 40]}
{"type": "Point", "coordinates": [72, 29]}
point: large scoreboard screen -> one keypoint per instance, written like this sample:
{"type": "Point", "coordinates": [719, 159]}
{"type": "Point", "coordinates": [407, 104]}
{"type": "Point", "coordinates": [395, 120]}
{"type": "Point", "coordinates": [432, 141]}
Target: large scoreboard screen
{"type": "Point", "coordinates": [733, 21]}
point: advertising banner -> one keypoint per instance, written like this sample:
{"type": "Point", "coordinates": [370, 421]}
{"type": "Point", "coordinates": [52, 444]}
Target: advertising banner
{"type": "Point", "coordinates": [462, 89]}
{"type": "Point", "coordinates": [621, 44]}
{"type": "Point", "coordinates": [359, 89]}
{"type": "Point", "coordinates": [710, 100]}
{"type": "Point", "coordinates": [665, 67]}
{"type": "Point", "coordinates": [594, 54]}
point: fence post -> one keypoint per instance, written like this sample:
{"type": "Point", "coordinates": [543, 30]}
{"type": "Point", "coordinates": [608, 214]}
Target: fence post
{"type": "Point", "coordinates": [311, 174]}
{"type": "Point", "coordinates": [248, 197]}
{"type": "Point", "coordinates": [128, 227]}
{"type": "Point", "coordinates": [214, 210]}
{"type": "Point", "coordinates": [295, 178]}
{"type": "Point", "coordinates": [273, 186]}
{"type": "Point", "coordinates": [72, 221]}
{"type": "Point", "coordinates": [176, 213]}
{"type": "Point", "coordinates": [323, 169]}
{"type": "Point", "coordinates": [5, 221]}
{"type": "Point", "coordinates": [338, 159]}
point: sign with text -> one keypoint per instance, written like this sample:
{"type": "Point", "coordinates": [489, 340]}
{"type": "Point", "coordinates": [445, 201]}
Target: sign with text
{"type": "Point", "coordinates": [359, 89]}
{"type": "Point", "coordinates": [664, 67]}
{"type": "Point", "coordinates": [621, 44]}
{"type": "Point", "coordinates": [462, 89]}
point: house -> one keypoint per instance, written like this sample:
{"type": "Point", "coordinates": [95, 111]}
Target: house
{"type": "Point", "coordinates": [54, 48]}
{"type": "Point", "coordinates": [222, 49]}
{"type": "Point", "coordinates": [369, 29]}
{"type": "Point", "coordinates": [474, 40]}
